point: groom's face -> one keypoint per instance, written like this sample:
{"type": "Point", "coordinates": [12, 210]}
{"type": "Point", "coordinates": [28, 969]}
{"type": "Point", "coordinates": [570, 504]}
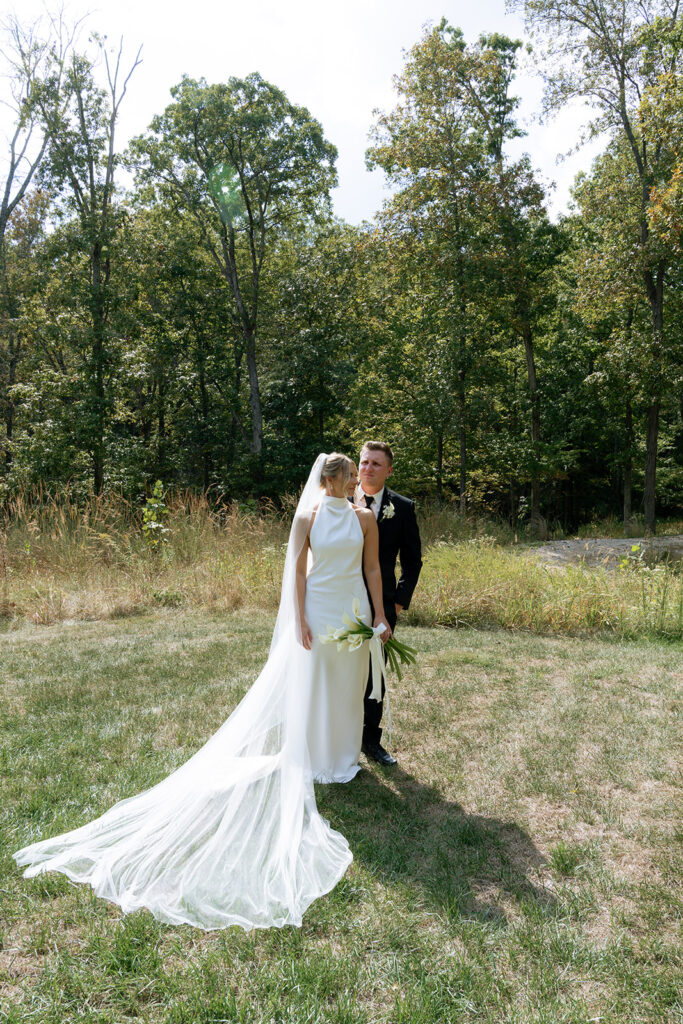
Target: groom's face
{"type": "Point", "coordinates": [374, 470]}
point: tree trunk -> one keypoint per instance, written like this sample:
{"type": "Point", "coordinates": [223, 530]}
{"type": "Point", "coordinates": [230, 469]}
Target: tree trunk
{"type": "Point", "coordinates": [536, 519]}
{"type": "Point", "coordinates": [161, 425]}
{"type": "Point", "coordinates": [651, 467]}
{"type": "Point", "coordinates": [439, 465]}
{"type": "Point", "coordinates": [566, 505]}
{"type": "Point", "coordinates": [654, 284]}
{"type": "Point", "coordinates": [98, 330]}
{"type": "Point", "coordinates": [228, 268]}
{"type": "Point", "coordinates": [463, 466]}
{"type": "Point", "coordinates": [12, 362]}
{"type": "Point", "coordinates": [207, 470]}
{"type": "Point", "coordinates": [235, 424]}
{"type": "Point", "coordinates": [204, 401]}
{"type": "Point", "coordinates": [628, 470]}
{"type": "Point", "coordinates": [13, 354]}
{"type": "Point", "coordinates": [462, 430]}
{"type": "Point", "coordinates": [254, 395]}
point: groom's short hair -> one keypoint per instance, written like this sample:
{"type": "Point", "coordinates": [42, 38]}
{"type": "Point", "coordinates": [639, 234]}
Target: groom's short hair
{"type": "Point", "coordinates": [379, 446]}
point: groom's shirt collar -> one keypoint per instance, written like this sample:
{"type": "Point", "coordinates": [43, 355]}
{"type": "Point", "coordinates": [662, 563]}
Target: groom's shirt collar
{"type": "Point", "coordinates": [377, 503]}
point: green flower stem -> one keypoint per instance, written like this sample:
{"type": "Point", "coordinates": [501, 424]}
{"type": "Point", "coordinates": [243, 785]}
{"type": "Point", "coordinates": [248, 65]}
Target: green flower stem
{"type": "Point", "coordinates": [397, 653]}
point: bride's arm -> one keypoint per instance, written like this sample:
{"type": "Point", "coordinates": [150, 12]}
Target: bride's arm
{"type": "Point", "coordinates": [373, 576]}
{"type": "Point", "coordinates": [305, 635]}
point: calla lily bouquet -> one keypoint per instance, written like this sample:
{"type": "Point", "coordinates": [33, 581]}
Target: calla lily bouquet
{"type": "Point", "coordinates": [353, 634]}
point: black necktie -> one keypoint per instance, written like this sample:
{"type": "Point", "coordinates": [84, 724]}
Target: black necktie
{"type": "Point", "coordinates": [369, 500]}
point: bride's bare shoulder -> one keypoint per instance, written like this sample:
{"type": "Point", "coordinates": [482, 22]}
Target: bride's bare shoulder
{"type": "Point", "coordinates": [365, 515]}
{"type": "Point", "coordinates": [304, 520]}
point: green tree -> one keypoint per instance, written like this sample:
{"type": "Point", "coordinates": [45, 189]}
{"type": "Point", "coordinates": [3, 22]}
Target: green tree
{"type": "Point", "coordinates": [33, 59]}
{"type": "Point", "coordinates": [521, 252]}
{"type": "Point", "coordinates": [609, 298]}
{"type": "Point", "coordinates": [249, 167]}
{"type": "Point", "coordinates": [317, 325]}
{"type": "Point", "coordinates": [661, 114]}
{"type": "Point", "coordinates": [615, 53]}
{"type": "Point", "coordinates": [476, 222]}
{"type": "Point", "coordinates": [81, 170]}
{"type": "Point", "coordinates": [183, 385]}
{"type": "Point", "coordinates": [435, 148]}
{"type": "Point", "coordinates": [21, 278]}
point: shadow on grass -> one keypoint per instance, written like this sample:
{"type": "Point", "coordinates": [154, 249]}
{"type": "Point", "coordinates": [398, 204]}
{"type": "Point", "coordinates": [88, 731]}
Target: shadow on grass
{"type": "Point", "coordinates": [410, 836]}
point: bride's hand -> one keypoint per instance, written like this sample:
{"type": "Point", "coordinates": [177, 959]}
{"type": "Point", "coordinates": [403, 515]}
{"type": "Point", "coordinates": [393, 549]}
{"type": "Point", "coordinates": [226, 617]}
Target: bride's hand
{"type": "Point", "coordinates": [306, 636]}
{"type": "Point", "coordinates": [387, 632]}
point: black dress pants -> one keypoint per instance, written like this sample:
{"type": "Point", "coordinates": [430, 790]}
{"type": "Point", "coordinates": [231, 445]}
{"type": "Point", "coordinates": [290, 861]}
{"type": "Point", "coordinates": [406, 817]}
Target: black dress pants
{"type": "Point", "coordinates": [372, 709]}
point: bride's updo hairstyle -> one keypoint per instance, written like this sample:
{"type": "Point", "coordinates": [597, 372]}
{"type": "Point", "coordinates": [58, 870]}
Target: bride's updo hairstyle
{"type": "Point", "coordinates": [332, 465]}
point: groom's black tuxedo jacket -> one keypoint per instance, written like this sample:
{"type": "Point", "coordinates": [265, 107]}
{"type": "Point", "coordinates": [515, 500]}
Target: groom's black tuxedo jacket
{"type": "Point", "coordinates": [399, 538]}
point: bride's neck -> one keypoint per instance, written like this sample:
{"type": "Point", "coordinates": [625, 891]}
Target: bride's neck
{"type": "Point", "coordinates": [334, 492]}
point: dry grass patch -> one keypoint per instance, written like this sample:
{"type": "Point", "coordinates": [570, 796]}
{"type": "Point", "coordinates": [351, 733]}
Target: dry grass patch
{"type": "Point", "coordinates": [479, 582]}
{"type": "Point", "coordinates": [65, 559]}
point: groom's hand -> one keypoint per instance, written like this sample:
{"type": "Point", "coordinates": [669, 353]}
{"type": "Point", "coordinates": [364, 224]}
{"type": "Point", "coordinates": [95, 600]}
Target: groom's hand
{"type": "Point", "coordinates": [398, 607]}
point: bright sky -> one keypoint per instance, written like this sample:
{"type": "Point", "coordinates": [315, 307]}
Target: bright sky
{"type": "Point", "coordinates": [336, 59]}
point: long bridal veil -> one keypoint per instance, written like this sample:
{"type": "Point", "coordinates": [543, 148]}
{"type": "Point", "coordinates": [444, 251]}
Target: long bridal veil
{"type": "Point", "coordinates": [234, 835]}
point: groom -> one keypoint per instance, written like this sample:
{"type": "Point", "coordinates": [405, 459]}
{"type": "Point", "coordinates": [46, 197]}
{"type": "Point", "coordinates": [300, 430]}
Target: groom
{"type": "Point", "coordinates": [399, 537]}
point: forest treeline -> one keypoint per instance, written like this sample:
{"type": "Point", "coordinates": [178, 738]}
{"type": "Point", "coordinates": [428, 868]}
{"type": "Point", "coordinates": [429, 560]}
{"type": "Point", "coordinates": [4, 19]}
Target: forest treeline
{"type": "Point", "coordinates": [186, 308]}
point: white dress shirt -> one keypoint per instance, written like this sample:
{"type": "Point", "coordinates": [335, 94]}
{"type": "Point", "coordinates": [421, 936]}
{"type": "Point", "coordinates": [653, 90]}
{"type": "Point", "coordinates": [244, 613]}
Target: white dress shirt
{"type": "Point", "coordinates": [377, 499]}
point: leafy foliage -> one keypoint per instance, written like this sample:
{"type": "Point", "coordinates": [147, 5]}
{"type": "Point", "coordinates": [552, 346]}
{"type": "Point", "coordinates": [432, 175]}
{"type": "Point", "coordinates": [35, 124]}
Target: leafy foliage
{"type": "Point", "coordinates": [154, 516]}
{"type": "Point", "coordinates": [213, 327]}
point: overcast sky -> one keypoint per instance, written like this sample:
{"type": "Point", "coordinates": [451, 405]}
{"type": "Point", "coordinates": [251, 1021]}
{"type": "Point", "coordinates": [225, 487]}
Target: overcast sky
{"type": "Point", "coordinates": [337, 59]}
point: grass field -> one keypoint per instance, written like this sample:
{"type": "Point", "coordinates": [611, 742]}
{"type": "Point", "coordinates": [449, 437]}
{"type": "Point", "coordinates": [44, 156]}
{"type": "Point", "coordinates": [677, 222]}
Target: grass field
{"type": "Point", "coordinates": [518, 866]}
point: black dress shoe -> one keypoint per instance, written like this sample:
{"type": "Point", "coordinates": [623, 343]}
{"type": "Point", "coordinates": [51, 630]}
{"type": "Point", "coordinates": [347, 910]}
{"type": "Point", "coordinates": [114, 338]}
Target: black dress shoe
{"type": "Point", "coordinates": [377, 752]}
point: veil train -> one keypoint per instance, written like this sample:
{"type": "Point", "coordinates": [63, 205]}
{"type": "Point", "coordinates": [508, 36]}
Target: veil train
{"type": "Point", "coordinates": [234, 835]}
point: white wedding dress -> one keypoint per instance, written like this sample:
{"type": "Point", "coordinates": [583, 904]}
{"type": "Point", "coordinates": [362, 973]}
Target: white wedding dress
{"type": "Point", "coordinates": [234, 835]}
{"type": "Point", "coordinates": [335, 721]}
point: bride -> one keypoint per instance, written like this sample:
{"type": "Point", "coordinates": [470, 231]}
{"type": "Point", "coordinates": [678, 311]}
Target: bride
{"type": "Point", "coordinates": [234, 835]}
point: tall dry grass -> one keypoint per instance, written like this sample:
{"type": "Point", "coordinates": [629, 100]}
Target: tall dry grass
{"type": "Point", "coordinates": [68, 559]}
{"type": "Point", "coordinates": [478, 582]}
{"type": "Point", "coordinates": [4, 576]}
{"type": "Point", "coordinates": [62, 558]}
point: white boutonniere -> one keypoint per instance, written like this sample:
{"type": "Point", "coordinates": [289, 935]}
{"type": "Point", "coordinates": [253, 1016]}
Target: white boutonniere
{"type": "Point", "coordinates": [388, 512]}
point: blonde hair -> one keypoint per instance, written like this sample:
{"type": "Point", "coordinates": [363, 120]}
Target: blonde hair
{"type": "Point", "coordinates": [333, 464]}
